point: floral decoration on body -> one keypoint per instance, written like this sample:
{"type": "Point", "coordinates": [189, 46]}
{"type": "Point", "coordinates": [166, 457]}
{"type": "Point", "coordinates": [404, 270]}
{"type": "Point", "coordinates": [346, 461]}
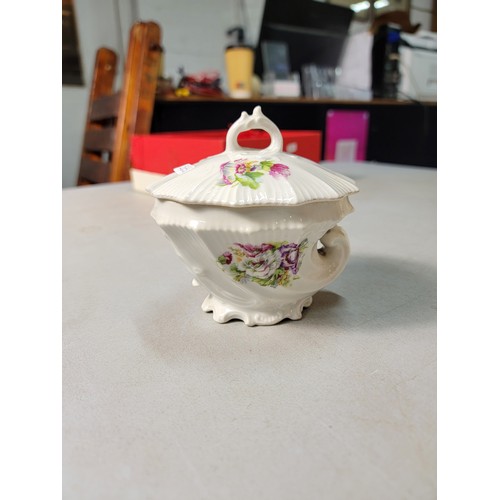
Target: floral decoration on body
{"type": "Point", "coordinates": [249, 173]}
{"type": "Point", "coordinates": [267, 264]}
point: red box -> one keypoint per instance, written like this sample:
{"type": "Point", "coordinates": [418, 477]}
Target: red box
{"type": "Point", "coordinates": [160, 153]}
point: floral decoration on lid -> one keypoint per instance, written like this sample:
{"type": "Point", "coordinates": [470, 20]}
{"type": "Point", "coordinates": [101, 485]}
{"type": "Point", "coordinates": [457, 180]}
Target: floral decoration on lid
{"type": "Point", "coordinates": [249, 173]}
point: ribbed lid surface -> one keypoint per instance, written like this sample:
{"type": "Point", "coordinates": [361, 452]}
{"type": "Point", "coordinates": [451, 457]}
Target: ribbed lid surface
{"type": "Point", "coordinates": [248, 177]}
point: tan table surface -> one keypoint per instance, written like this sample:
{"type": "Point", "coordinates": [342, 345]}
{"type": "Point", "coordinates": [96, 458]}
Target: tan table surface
{"type": "Point", "coordinates": [162, 402]}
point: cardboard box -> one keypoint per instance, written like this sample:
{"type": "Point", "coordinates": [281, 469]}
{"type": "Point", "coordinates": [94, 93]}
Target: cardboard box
{"type": "Point", "coordinates": [153, 156]}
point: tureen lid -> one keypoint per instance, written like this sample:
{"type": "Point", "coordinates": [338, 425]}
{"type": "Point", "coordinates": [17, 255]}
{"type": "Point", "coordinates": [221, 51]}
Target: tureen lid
{"type": "Point", "coordinates": [249, 177]}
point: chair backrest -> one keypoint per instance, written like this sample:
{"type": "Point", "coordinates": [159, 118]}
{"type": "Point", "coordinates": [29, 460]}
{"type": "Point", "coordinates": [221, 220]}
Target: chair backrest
{"type": "Point", "coordinates": [113, 117]}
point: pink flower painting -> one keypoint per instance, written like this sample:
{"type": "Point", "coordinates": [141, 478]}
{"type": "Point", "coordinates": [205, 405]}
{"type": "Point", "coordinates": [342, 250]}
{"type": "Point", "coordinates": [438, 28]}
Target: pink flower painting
{"type": "Point", "coordinates": [249, 173]}
{"type": "Point", "coordinates": [267, 264]}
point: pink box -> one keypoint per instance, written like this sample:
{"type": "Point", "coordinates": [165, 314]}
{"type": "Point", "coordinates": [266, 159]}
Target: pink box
{"type": "Point", "coordinates": [346, 135]}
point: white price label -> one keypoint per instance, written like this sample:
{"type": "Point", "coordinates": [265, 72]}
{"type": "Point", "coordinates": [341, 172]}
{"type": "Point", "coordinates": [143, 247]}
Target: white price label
{"type": "Point", "coordinates": [184, 168]}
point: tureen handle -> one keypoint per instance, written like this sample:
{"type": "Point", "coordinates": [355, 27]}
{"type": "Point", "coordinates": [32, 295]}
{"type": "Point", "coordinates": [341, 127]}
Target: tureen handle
{"type": "Point", "coordinates": [332, 259]}
{"type": "Point", "coordinates": [256, 120]}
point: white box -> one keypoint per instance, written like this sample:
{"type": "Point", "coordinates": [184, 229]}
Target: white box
{"type": "Point", "coordinates": [418, 66]}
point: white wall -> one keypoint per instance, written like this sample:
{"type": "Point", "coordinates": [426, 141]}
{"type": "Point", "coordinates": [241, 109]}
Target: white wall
{"type": "Point", "coordinates": [421, 12]}
{"type": "Point", "coordinates": [193, 37]}
{"type": "Point", "coordinates": [194, 32]}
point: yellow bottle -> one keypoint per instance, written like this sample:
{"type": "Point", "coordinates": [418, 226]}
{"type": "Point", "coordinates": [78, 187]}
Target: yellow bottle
{"type": "Point", "coordinates": [239, 68]}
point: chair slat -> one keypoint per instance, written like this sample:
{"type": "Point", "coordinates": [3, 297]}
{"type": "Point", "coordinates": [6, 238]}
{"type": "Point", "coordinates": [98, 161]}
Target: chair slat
{"type": "Point", "coordinates": [94, 171]}
{"type": "Point", "coordinates": [105, 107]}
{"type": "Point", "coordinates": [99, 139]}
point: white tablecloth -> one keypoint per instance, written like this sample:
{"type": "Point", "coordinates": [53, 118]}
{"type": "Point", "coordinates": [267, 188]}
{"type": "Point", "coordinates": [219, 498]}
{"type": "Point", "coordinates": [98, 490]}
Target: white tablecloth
{"type": "Point", "coordinates": [162, 402]}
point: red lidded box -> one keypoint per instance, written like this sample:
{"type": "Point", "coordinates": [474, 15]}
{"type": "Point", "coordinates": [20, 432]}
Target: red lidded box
{"type": "Point", "coordinates": [160, 153]}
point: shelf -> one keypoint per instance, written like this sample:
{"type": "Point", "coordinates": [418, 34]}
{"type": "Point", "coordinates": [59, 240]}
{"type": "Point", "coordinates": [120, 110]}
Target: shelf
{"type": "Point", "coordinates": [400, 131]}
{"type": "Point", "coordinates": [293, 100]}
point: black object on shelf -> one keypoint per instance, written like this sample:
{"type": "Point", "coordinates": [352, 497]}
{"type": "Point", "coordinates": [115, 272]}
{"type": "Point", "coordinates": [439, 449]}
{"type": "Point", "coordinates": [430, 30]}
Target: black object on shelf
{"type": "Point", "coordinates": [314, 32]}
{"type": "Point", "coordinates": [385, 61]}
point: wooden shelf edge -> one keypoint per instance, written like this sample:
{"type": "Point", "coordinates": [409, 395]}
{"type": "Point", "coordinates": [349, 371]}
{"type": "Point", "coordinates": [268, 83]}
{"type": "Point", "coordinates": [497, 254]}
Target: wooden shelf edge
{"type": "Point", "coordinates": [294, 100]}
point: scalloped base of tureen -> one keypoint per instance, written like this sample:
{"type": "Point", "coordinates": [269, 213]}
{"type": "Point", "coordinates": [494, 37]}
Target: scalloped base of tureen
{"type": "Point", "coordinates": [224, 311]}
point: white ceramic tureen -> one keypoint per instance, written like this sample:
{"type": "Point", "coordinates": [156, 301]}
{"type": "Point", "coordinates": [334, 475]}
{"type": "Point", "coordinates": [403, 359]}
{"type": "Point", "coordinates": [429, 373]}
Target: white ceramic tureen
{"type": "Point", "coordinates": [257, 228]}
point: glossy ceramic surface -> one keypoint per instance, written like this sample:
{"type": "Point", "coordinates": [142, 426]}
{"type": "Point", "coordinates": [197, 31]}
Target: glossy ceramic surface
{"type": "Point", "coordinates": [258, 229]}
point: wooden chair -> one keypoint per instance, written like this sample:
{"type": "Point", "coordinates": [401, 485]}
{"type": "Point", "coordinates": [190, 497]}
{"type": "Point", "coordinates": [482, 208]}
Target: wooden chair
{"type": "Point", "coordinates": [113, 117]}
